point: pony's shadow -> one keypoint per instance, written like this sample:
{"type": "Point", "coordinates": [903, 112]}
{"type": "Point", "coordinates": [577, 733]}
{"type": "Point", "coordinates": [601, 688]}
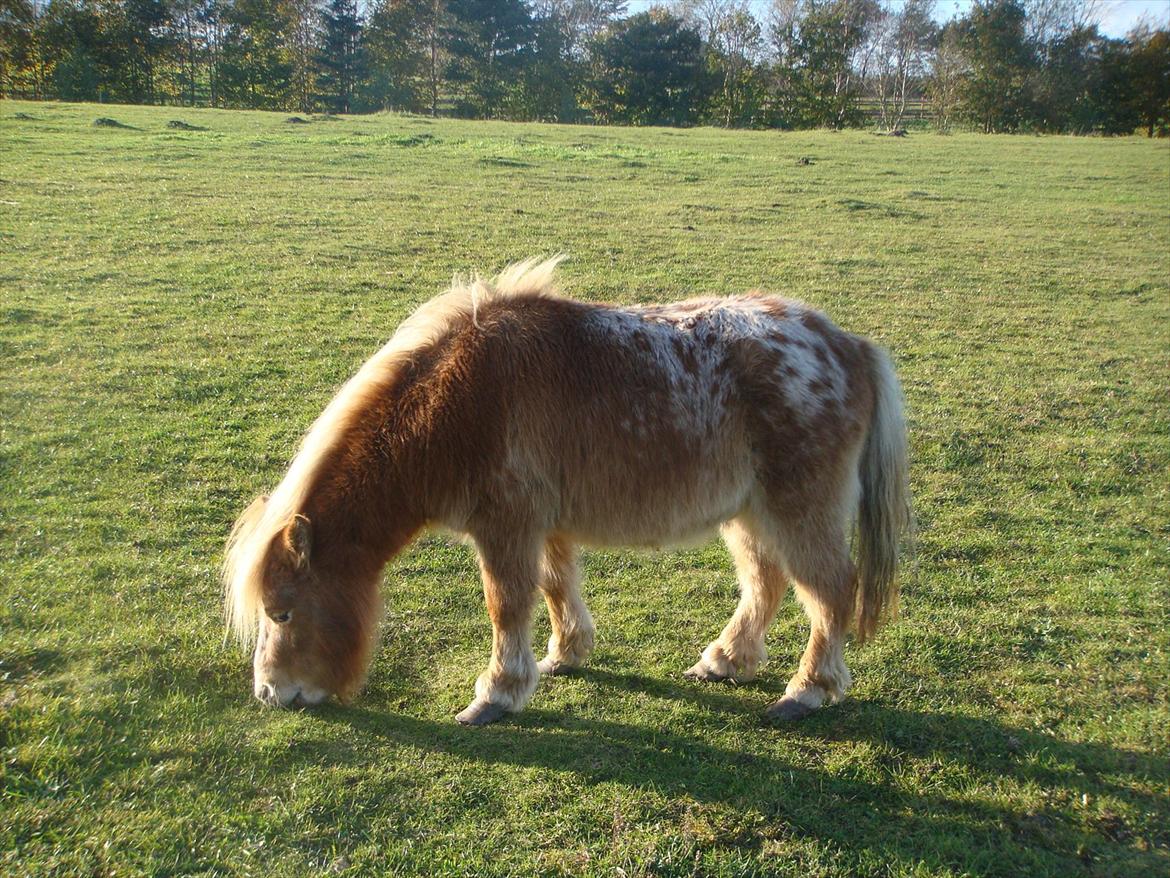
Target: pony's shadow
{"type": "Point", "coordinates": [770, 780]}
{"type": "Point", "coordinates": [808, 800]}
{"type": "Point", "coordinates": [738, 698]}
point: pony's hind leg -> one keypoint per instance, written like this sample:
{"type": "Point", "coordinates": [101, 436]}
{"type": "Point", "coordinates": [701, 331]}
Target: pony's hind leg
{"type": "Point", "coordinates": [739, 651]}
{"type": "Point", "coordinates": [510, 574]}
{"type": "Point", "coordinates": [572, 626]}
{"type": "Point", "coordinates": [825, 582]}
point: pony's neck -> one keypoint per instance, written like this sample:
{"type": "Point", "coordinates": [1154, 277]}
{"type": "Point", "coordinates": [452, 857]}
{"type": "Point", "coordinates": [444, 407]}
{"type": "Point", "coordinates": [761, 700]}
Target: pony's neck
{"type": "Point", "coordinates": [374, 492]}
{"type": "Point", "coordinates": [360, 520]}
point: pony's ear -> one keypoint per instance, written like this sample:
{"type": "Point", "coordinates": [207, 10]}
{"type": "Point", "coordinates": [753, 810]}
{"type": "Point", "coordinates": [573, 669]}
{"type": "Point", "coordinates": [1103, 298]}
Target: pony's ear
{"type": "Point", "coordinates": [298, 540]}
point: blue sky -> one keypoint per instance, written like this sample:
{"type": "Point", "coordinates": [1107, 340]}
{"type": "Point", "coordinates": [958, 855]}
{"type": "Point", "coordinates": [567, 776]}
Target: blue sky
{"type": "Point", "coordinates": [1117, 16]}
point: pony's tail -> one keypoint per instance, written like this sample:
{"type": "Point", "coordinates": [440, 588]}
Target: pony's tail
{"type": "Point", "coordinates": [884, 514]}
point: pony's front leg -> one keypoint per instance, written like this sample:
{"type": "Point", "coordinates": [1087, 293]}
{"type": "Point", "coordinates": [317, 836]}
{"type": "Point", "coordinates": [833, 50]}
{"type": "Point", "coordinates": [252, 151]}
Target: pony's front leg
{"type": "Point", "coordinates": [510, 573]}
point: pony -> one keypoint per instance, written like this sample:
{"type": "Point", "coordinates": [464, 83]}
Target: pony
{"type": "Point", "coordinates": [532, 424]}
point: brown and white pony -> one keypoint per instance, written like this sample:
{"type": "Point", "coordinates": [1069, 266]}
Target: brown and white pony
{"type": "Point", "coordinates": [533, 424]}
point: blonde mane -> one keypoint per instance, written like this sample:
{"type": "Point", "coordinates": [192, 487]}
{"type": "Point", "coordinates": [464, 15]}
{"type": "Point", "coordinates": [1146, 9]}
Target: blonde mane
{"type": "Point", "coordinates": [259, 525]}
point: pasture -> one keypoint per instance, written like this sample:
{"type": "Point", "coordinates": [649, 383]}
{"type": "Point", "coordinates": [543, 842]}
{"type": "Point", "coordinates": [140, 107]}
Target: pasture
{"type": "Point", "coordinates": [178, 305]}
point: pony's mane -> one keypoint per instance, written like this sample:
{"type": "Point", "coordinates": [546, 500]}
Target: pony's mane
{"type": "Point", "coordinates": [262, 521]}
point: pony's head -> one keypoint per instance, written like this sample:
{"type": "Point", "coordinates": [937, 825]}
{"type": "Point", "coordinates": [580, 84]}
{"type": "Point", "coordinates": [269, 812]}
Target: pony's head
{"type": "Point", "coordinates": [314, 625]}
{"type": "Point", "coordinates": [307, 591]}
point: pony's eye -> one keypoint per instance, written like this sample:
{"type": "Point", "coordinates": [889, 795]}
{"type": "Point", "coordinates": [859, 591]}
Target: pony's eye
{"type": "Point", "coordinates": [281, 618]}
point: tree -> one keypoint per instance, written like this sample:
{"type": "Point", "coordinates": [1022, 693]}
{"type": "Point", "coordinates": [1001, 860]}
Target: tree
{"type": "Point", "coordinates": [1049, 21]}
{"type": "Point", "coordinates": [18, 45]}
{"type": "Point", "coordinates": [76, 53]}
{"type": "Point", "coordinates": [185, 30]}
{"type": "Point", "coordinates": [254, 66]}
{"type": "Point", "coordinates": [397, 55]}
{"type": "Point", "coordinates": [406, 53]}
{"type": "Point", "coordinates": [1115, 96]}
{"type": "Point", "coordinates": [1064, 84]}
{"type": "Point", "coordinates": [489, 42]}
{"type": "Point", "coordinates": [904, 41]}
{"type": "Point", "coordinates": [738, 42]}
{"type": "Point", "coordinates": [547, 85]}
{"type": "Point", "coordinates": [1149, 71]}
{"type": "Point", "coordinates": [558, 66]}
{"type": "Point", "coordinates": [1000, 60]}
{"type": "Point", "coordinates": [142, 32]}
{"type": "Point", "coordinates": [733, 43]}
{"type": "Point", "coordinates": [340, 58]}
{"type": "Point", "coordinates": [579, 21]}
{"type": "Point", "coordinates": [948, 71]}
{"type": "Point", "coordinates": [1067, 89]}
{"type": "Point", "coordinates": [823, 49]}
{"type": "Point", "coordinates": [300, 25]}
{"type": "Point", "coordinates": [197, 37]}
{"type": "Point", "coordinates": [648, 70]}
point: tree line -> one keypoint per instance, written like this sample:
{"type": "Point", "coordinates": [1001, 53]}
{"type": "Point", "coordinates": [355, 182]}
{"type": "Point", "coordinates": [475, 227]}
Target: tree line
{"type": "Point", "coordinates": [1006, 65]}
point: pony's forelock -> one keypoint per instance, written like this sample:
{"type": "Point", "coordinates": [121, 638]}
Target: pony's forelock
{"type": "Point", "coordinates": [241, 600]}
{"type": "Point", "coordinates": [256, 528]}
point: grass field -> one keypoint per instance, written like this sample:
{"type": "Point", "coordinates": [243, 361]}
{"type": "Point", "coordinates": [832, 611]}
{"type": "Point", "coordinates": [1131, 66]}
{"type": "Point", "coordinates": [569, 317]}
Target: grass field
{"type": "Point", "coordinates": [179, 304]}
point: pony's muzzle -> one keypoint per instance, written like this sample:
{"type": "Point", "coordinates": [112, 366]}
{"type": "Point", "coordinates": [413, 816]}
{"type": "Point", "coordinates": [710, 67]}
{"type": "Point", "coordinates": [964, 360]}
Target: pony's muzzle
{"type": "Point", "coordinates": [268, 694]}
{"type": "Point", "coordinates": [291, 696]}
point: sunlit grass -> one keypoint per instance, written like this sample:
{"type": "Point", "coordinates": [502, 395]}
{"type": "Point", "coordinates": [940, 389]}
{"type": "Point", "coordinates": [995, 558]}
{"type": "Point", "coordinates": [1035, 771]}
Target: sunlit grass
{"type": "Point", "coordinates": [178, 305]}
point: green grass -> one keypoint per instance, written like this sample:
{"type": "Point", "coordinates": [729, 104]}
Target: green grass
{"type": "Point", "coordinates": [178, 306]}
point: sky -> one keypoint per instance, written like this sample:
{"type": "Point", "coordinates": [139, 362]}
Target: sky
{"type": "Point", "coordinates": [1117, 16]}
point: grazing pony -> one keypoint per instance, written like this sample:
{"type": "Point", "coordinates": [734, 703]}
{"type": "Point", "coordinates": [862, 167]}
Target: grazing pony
{"type": "Point", "coordinates": [532, 424]}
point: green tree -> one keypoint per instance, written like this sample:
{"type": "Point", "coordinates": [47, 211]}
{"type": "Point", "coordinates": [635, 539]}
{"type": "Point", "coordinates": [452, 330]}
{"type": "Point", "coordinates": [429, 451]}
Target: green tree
{"type": "Point", "coordinates": [1000, 59]}
{"type": "Point", "coordinates": [903, 41]}
{"type": "Point", "coordinates": [948, 71]}
{"type": "Point", "coordinates": [648, 70]}
{"type": "Point", "coordinates": [580, 22]}
{"type": "Point", "coordinates": [737, 43]}
{"type": "Point", "coordinates": [341, 58]}
{"type": "Point", "coordinates": [76, 53]}
{"type": "Point", "coordinates": [141, 30]}
{"type": "Point", "coordinates": [489, 42]}
{"type": "Point", "coordinates": [401, 56]}
{"type": "Point", "coordinates": [254, 68]}
{"type": "Point", "coordinates": [104, 50]}
{"type": "Point", "coordinates": [1149, 71]}
{"type": "Point", "coordinates": [1115, 93]}
{"type": "Point", "coordinates": [300, 24]}
{"type": "Point", "coordinates": [548, 86]}
{"type": "Point", "coordinates": [18, 45]}
{"type": "Point", "coordinates": [1067, 91]}
{"type": "Point", "coordinates": [822, 51]}
{"type": "Point", "coordinates": [198, 30]}
{"type": "Point", "coordinates": [733, 44]}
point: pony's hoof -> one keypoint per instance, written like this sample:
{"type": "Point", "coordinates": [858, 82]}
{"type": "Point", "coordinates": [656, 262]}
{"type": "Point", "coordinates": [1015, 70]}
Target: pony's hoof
{"type": "Point", "coordinates": [787, 710]}
{"type": "Point", "coordinates": [480, 713]}
{"type": "Point", "coordinates": [700, 671]}
{"type": "Point", "coordinates": [550, 667]}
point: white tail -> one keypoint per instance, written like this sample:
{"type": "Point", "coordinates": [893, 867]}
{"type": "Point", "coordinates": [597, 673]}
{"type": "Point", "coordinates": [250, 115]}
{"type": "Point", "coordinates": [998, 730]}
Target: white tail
{"type": "Point", "coordinates": [885, 513]}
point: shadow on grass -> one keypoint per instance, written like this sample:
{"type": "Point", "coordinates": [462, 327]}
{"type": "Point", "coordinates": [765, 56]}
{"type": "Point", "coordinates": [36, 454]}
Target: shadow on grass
{"type": "Point", "coordinates": [937, 789]}
{"type": "Point", "coordinates": [883, 804]}
{"type": "Point", "coordinates": [872, 809]}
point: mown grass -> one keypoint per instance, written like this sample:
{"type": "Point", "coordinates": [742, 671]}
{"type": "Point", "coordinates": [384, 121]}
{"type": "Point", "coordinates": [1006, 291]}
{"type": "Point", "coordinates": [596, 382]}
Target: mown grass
{"type": "Point", "coordinates": [178, 305]}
